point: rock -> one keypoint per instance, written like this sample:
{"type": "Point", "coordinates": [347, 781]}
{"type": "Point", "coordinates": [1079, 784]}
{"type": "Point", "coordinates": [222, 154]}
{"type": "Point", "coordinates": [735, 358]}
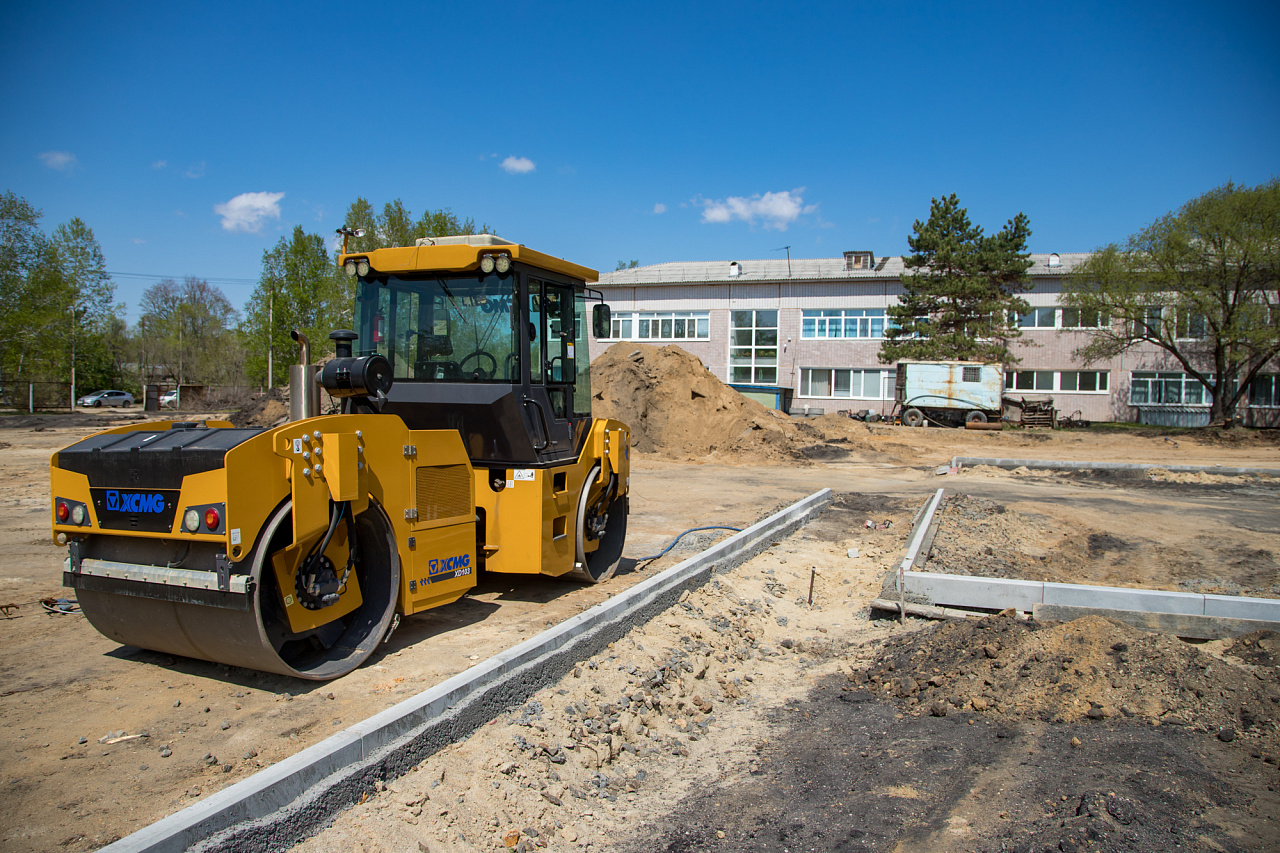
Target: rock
{"type": "Point", "coordinates": [551, 798]}
{"type": "Point", "coordinates": [165, 752]}
{"type": "Point", "coordinates": [1226, 734]}
{"type": "Point", "coordinates": [979, 704]}
{"type": "Point", "coordinates": [511, 837]}
{"type": "Point", "coordinates": [990, 650]}
{"type": "Point", "coordinates": [210, 759]}
{"type": "Point", "coordinates": [1097, 712]}
{"type": "Point", "coordinates": [938, 709]}
{"type": "Point", "coordinates": [1075, 742]}
{"type": "Point", "coordinates": [225, 724]}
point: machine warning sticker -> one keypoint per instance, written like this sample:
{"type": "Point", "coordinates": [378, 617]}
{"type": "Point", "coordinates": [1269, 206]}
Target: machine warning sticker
{"type": "Point", "coordinates": [524, 474]}
{"type": "Point", "coordinates": [297, 445]}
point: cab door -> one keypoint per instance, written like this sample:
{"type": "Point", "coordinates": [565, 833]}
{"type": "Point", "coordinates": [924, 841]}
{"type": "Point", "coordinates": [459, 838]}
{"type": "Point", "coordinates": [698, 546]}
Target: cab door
{"type": "Point", "coordinates": [553, 367]}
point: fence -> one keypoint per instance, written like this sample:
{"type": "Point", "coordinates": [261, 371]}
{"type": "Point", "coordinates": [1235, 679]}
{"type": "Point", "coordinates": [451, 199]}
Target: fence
{"type": "Point", "coordinates": [36, 396]}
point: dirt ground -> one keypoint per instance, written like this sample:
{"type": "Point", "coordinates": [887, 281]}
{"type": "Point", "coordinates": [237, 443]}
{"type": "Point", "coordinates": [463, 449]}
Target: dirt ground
{"type": "Point", "coordinates": [100, 740]}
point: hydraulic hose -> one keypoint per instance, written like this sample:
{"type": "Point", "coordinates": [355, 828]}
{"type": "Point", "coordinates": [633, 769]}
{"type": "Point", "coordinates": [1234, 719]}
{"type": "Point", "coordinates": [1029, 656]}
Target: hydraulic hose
{"type": "Point", "coordinates": [664, 551]}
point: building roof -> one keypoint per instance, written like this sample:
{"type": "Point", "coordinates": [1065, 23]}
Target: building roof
{"type": "Point", "coordinates": [797, 269]}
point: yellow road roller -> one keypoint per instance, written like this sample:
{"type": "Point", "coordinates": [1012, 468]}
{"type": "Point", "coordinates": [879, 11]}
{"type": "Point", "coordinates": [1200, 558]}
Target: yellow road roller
{"type": "Point", "coordinates": [461, 440]}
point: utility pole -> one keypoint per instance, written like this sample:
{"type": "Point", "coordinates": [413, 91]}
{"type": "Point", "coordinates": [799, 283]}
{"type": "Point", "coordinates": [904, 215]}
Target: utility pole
{"type": "Point", "coordinates": [271, 308]}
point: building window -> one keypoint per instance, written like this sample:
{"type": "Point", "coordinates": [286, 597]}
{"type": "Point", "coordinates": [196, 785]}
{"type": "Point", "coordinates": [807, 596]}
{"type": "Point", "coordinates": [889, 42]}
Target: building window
{"type": "Point", "coordinates": [840, 383]}
{"type": "Point", "coordinates": [1149, 389]}
{"type": "Point", "coordinates": [662, 326]}
{"type": "Point", "coordinates": [1191, 326]}
{"type": "Point", "coordinates": [1265, 391]}
{"type": "Point", "coordinates": [1074, 318]}
{"type": "Point", "coordinates": [753, 348]}
{"type": "Point", "coordinates": [1039, 318]}
{"type": "Point", "coordinates": [1072, 381]}
{"type": "Point", "coordinates": [843, 323]}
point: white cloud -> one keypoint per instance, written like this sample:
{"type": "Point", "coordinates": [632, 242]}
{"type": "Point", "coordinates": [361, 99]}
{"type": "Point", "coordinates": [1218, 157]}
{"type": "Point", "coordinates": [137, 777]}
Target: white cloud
{"type": "Point", "coordinates": [138, 241]}
{"type": "Point", "coordinates": [159, 164]}
{"type": "Point", "coordinates": [518, 165]}
{"type": "Point", "coordinates": [773, 210]}
{"type": "Point", "coordinates": [196, 171]}
{"type": "Point", "coordinates": [659, 208]}
{"type": "Point", "coordinates": [247, 211]}
{"type": "Point", "coordinates": [62, 161]}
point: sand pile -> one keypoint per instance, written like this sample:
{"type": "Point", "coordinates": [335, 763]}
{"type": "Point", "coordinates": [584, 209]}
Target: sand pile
{"type": "Point", "coordinates": [676, 407]}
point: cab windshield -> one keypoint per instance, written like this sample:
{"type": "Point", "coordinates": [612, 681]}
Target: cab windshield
{"type": "Point", "coordinates": [441, 329]}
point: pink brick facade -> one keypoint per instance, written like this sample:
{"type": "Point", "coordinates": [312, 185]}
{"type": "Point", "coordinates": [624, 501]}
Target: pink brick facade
{"type": "Point", "coordinates": [833, 374]}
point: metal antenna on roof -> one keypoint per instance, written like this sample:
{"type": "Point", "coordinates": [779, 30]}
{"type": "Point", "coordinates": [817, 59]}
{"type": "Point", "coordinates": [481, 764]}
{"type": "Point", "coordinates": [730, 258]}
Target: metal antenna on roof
{"type": "Point", "coordinates": [786, 249]}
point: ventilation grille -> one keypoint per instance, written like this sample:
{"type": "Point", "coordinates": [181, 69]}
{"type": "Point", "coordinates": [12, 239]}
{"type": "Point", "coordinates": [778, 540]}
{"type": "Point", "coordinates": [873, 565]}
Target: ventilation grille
{"type": "Point", "coordinates": [971, 374]}
{"type": "Point", "coordinates": [443, 491]}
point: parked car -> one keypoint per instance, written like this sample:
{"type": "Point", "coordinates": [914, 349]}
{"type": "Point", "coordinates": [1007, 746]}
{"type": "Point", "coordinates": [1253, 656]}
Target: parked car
{"type": "Point", "coordinates": [169, 399]}
{"type": "Point", "coordinates": [106, 398]}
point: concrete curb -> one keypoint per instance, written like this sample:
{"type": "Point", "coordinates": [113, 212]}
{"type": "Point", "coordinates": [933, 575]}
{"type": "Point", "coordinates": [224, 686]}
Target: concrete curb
{"type": "Point", "coordinates": [289, 801]}
{"type": "Point", "coordinates": [999, 593]}
{"type": "Point", "coordinates": [1109, 466]}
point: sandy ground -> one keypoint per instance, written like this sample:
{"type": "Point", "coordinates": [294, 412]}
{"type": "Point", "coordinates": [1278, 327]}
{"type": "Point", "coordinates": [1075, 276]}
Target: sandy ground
{"type": "Point", "coordinates": [100, 740]}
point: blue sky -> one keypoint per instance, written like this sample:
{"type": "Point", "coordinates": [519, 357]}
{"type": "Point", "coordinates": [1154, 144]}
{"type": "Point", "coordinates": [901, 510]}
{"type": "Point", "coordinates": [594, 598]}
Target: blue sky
{"type": "Point", "coordinates": [191, 137]}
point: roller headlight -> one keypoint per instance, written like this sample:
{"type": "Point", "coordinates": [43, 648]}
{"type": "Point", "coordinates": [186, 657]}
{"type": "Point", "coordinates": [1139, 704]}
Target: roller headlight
{"type": "Point", "coordinates": [503, 263]}
{"type": "Point", "coordinates": [78, 514]}
{"type": "Point", "coordinates": [191, 521]}
{"type": "Point", "coordinates": [362, 266]}
{"type": "Point", "coordinates": [487, 264]}
{"type": "Point", "coordinates": [350, 267]}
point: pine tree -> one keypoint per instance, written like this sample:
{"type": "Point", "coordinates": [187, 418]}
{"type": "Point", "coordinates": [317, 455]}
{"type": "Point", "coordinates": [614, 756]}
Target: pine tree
{"type": "Point", "coordinates": [963, 302]}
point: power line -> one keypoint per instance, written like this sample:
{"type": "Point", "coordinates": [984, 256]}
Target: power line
{"type": "Point", "coordinates": [239, 282]}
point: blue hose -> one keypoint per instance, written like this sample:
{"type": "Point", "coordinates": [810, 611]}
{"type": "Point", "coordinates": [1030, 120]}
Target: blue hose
{"type": "Point", "coordinates": [664, 551]}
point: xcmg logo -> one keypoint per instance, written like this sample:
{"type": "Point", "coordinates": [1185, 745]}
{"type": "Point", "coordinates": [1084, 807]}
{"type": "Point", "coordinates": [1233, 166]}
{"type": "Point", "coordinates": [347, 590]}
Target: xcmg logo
{"type": "Point", "coordinates": [449, 564]}
{"type": "Point", "coordinates": [134, 501]}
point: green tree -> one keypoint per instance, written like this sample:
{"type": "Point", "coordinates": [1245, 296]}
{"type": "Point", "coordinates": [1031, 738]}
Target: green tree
{"type": "Point", "coordinates": [1201, 283]}
{"type": "Point", "coordinates": [626, 265]}
{"type": "Point", "coordinates": [395, 226]}
{"type": "Point", "coordinates": [186, 333]}
{"type": "Point", "coordinates": [963, 302]}
{"type": "Point", "coordinates": [56, 307]}
{"type": "Point", "coordinates": [84, 288]}
{"type": "Point", "coordinates": [299, 289]}
{"type": "Point", "coordinates": [25, 306]}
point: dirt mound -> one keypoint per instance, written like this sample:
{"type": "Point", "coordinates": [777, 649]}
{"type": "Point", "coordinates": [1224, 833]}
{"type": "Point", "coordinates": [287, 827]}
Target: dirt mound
{"type": "Point", "coordinates": [266, 410]}
{"type": "Point", "coordinates": [1090, 668]}
{"type": "Point", "coordinates": [676, 407]}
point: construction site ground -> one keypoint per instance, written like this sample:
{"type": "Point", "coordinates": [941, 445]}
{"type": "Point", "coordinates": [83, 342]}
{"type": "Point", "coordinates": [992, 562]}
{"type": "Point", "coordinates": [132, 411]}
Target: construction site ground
{"type": "Point", "coordinates": [746, 717]}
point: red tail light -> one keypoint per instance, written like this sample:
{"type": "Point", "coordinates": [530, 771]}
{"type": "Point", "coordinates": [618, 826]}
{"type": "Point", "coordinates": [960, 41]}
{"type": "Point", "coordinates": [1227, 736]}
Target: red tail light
{"type": "Point", "coordinates": [211, 518]}
{"type": "Point", "coordinates": [63, 511]}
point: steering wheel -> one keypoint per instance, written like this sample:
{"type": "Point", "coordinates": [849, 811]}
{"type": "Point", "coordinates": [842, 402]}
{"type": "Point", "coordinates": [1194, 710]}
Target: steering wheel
{"type": "Point", "coordinates": [480, 372]}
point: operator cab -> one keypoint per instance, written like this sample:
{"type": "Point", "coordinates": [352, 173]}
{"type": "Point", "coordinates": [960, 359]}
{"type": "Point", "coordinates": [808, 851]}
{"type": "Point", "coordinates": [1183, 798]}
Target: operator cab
{"type": "Point", "coordinates": [496, 350]}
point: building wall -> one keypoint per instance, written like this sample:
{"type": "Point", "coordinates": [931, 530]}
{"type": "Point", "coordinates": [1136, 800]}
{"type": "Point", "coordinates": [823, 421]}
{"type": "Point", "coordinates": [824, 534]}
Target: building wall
{"type": "Point", "coordinates": [1039, 349]}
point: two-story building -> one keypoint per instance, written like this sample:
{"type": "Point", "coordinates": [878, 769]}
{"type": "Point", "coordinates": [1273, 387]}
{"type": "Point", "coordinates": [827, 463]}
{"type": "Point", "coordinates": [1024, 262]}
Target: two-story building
{"type": "Point", "coordinates": [805, 334]}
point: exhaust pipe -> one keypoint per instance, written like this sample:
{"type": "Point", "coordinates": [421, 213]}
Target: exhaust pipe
{"type": "Point", "coordinates": [304, 385]}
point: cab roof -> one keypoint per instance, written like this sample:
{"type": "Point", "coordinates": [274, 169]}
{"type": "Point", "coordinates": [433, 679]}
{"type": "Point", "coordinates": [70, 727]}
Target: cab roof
{"type": "Point", "coordinates": [463, 252]}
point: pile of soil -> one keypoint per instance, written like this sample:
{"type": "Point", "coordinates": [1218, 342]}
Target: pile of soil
{"type": "Point", "coordinates": [266, 410]}
{"type": "Point", "coordinates": [676, 407]}
{"type": "Point", "coordinates": [1093, 668]}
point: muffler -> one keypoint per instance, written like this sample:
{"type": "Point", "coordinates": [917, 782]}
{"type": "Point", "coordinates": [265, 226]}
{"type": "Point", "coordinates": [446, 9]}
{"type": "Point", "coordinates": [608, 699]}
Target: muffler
{"type": "Point", "coordinates": [304, 384]}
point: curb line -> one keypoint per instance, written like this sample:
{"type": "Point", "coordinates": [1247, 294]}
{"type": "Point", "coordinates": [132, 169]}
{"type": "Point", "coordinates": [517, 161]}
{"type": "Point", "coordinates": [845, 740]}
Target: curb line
{"type": "Point", "coordinates": [1110, 466]}
{"type": "Point", "coordinates": [283, 804]}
